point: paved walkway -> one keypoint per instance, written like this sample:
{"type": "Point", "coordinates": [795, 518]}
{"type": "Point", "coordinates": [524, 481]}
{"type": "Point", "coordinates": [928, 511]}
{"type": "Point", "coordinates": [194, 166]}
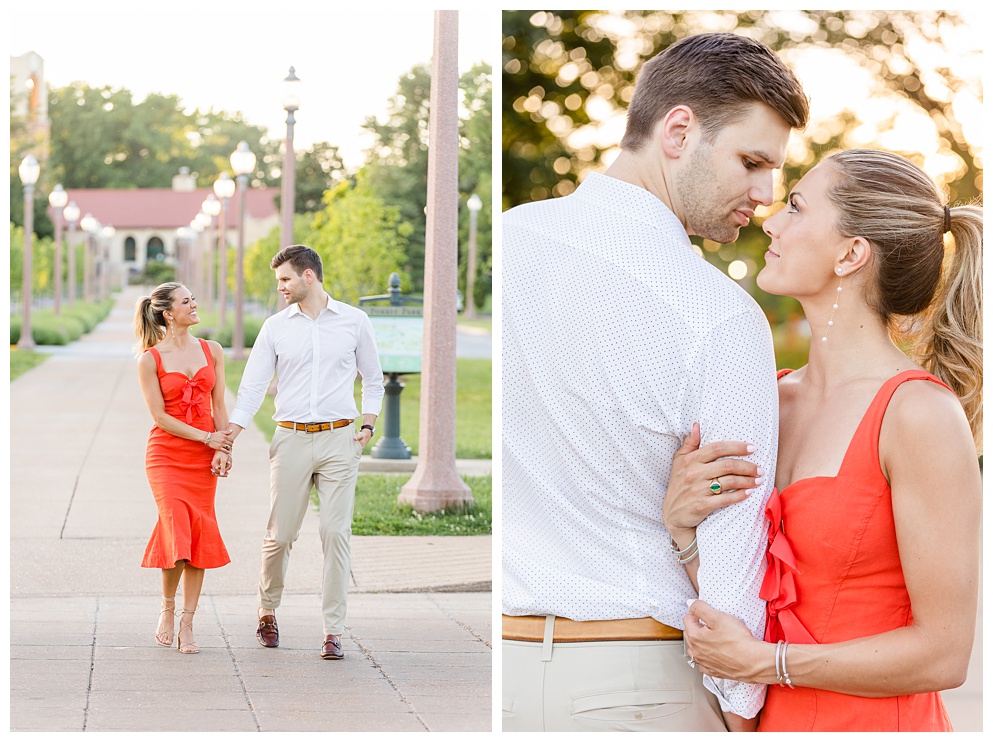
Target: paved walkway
{"type": "Point", "coordinates": [82, 612]}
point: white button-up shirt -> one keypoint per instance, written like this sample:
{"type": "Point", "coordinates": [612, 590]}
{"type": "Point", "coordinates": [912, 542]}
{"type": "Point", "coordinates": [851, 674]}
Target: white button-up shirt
{"type": "Point", "coordinates": [617, 337]}
{"type": "Point", "coordinates": [316, 362]}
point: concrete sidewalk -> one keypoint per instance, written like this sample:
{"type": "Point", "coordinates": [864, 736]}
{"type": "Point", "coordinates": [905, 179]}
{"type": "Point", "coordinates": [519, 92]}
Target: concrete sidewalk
{"type": "Point", "coordinates": [83, 613]}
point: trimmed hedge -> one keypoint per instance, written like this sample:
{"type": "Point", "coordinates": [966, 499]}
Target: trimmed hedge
{"type": "Point", "coordinates": [75, 321]}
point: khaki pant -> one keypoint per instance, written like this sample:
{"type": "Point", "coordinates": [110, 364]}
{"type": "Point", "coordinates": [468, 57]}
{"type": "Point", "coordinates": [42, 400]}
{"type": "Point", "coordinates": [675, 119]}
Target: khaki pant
{"type": "Point", "coordinates": [604, 686]}
{"type": "Point", "coordinates": [299, 460]}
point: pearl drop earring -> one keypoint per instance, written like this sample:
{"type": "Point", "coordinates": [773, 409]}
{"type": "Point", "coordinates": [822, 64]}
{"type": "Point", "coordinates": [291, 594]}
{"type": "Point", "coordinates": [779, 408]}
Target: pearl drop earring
{"type": "Point", "coordinates": [834, 307]}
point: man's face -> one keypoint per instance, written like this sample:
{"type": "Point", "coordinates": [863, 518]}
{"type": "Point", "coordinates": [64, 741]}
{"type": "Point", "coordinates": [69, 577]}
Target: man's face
{"type": "Point", "coordinates": [720, 183]}
{"type": "Point", "coordinates": [294, 288]}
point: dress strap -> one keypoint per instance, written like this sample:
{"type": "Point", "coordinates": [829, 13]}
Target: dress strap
{"type": "Point", "coordinates": [865, 443]}
{"type": "Point", "coordinates": [158, 360]}
{"type": "Point", "coordinates": [206, 351]}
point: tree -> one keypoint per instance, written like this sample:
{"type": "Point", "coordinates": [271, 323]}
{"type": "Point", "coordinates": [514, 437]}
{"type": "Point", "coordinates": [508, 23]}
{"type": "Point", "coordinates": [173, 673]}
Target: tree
{"type": "Point", "coordinates": [569, 74]}
{"type": "Point", "coordinates": [319, 169]}
{"type": "Point", "coordinates": [397, 164]}
{"type": "Point", "coordinates": [476, 177]}
{"type": "Point", "coordinates": [360, 239]}
{"type": "Point", "coordinates": [102, 138]}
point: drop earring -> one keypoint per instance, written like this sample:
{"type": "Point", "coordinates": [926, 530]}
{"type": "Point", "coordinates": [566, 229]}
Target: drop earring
{"type": "Point", "coordinates": [834, 307]}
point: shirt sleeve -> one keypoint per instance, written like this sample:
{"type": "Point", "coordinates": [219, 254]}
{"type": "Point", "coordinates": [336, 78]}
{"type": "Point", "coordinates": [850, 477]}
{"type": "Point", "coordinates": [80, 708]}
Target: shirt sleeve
{"type": "Point", "coordinates": [738, 401]}
{"type": "Point", "coordinates": [259, 368]}
{"type": "Point", "coordinates": [367, 363]}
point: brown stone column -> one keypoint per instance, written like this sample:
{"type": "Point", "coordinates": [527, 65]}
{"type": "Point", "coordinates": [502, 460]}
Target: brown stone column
{"type": "Point", "coordinates": [436, 483]}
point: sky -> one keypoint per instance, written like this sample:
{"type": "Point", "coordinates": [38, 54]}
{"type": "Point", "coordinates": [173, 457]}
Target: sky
{"type": "Point", "coordinates": [234, 56]}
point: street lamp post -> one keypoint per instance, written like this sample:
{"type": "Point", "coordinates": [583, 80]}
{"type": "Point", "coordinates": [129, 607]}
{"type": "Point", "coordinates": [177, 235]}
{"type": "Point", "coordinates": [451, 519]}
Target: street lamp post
{"type": "Point", "coordinates": [211, 207]}
{"type": "Point", "coordinates": [474, 204]}
{"type": "Point", "coordinates": [90, 225]}
{"type": "Point", "coordinates": [243, 163]}
{"type": "Point", "coordinates": [106, 234]}
{"type": "Point", "coordinates": [57, 199]}
{"type": "Point", "coordinates": [224, 190]}
{"type": "Point", "coordinates": [29, 170]}
{"type": "Point", "coordinates": [200, 226]}
{"type": "Point", "coordinates": [291, 102]}
{"type": "Point", "coordinates": [71, 214]}
{"type": "Point", "coordinates": [183, 237]}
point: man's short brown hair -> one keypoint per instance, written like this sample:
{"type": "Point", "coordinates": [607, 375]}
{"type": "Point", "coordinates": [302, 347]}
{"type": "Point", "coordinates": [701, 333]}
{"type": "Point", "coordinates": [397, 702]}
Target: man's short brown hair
{"type": "Point", "coordinates": [716, 75]}
{"type": "Point", "coordinates": [300, 257]}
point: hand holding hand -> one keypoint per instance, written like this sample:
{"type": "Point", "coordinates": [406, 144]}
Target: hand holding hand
{"type": "Point", "coordinates": [220, 465]}
{"type": "Point", "coordinates": [689, 498]}
{"type": "Point", "coordinates": [221, 440]}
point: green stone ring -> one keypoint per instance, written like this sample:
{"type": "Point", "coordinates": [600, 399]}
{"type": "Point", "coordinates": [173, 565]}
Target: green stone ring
{"type": "Point", "coordinates": [715, 487]}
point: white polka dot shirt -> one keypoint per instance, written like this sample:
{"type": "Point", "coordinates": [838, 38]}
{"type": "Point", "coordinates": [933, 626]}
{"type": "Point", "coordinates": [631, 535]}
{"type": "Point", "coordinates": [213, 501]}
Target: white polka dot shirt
{"type": "Point", "coordinates": [617, 337]}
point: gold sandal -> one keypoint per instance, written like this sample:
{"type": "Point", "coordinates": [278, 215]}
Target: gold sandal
{"type": "Point", "coordinates": [190, 647]}
{"type": "Point", "coordinates": [164, 638]}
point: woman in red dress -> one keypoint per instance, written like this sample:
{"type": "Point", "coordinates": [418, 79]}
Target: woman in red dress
{"type": "Point", "coordinates": [873, 564]}
{"type": "Point", "coordinates": [182, 380]}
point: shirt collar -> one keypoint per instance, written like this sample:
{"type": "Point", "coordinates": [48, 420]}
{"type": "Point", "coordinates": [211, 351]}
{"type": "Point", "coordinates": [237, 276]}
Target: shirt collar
{"type": "Point", "coordinates": [633, 201]}
{"type": "Point", "coordinates": [332, 306]}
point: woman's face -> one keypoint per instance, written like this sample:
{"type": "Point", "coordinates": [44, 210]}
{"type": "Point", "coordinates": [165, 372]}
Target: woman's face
{"type": "Point", "coordinates": [804, 243]}
{"type": "Point", "coordinates": [184, 307]}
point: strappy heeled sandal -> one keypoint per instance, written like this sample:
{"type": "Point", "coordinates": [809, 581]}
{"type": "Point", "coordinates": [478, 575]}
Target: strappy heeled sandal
{"type": "Point", "coordinates": [189, 647]}
{"type": "Point", "coordinates": [164, 638]}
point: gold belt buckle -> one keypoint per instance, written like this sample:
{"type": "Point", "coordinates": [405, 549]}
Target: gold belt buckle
{"type": "Point", "coordinates": [313, 427]}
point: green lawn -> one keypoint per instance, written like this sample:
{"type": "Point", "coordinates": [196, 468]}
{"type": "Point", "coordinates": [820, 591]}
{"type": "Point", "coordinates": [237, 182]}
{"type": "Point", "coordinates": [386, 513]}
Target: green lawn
{"type": "Point", "coordinates": [377, 512]}
{"type": "Point", "coordinates": [24, 360]}
{"type": "Point", "coordinates": [473, 407]}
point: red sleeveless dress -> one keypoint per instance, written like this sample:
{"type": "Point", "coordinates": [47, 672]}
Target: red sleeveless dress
{"type": "Point", "coordinates": [834, 575]}
{"type": "Point", "coordinates": [178, 471]}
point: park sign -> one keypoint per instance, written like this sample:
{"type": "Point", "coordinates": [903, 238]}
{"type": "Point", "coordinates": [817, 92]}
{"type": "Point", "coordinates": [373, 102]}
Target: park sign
{"type": "Point", "coordinates": [399, 335]}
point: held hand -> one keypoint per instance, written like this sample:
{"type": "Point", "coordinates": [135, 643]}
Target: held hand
{"type": "Point", "coordinates": [689, 498]}
{"type": "Point", "coordinates": [221, 440]}
{"type": "Point", "coordinates": [363, 437]}
{"type": "Point", "coordinates": [721, 644]}
{"type": "Point", "coordinates": [220, 464]}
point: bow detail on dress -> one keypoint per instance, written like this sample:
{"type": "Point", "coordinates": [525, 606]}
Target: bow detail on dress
{"type": "Point", "coordinates": [779, 585]}
{"type": "Point", "coordinates": [194, 398]}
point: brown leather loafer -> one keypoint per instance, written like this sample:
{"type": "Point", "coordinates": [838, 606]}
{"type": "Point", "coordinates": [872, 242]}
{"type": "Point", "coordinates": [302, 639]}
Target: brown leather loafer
{"type": "Point", "coordinates": [268, 632]}
{"type": "Point", "coordinates": [332, 648]}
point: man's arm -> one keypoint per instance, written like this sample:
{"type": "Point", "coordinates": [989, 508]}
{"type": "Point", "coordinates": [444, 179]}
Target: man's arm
{"type": "Point", "coordinates": [255, 380]}
{"type": "Point", "coordinates": [738, 401]}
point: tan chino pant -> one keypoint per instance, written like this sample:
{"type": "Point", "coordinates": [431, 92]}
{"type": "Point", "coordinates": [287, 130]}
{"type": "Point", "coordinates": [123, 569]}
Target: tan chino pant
{"type": "Point", "coordinates": [299, 460]}
{"type": "Point", "coordinates": [604, 686]}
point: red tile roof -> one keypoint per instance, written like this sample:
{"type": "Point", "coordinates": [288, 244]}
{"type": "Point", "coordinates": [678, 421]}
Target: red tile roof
{"type": "Point", "coordinates": [163, 208]}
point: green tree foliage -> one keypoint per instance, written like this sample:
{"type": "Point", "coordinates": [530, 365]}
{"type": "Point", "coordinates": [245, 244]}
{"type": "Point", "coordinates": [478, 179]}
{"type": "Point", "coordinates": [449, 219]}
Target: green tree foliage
{"type": "Point", "coordinates": [566, 72]}
{"type": "Point", "coordinates": [102, 138]}
{"type": "Point", "coordinates": [476, 176]}
{"type": "Point", "coordinates": [319, 169]}
{"type": "Point", "coordinates": [361, 240]}
{"type": "Point", "coordinates": [397, 164]}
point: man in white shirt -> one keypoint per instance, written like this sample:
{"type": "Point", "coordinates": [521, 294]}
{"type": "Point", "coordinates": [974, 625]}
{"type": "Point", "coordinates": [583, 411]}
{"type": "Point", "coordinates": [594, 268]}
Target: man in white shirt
{"type": "Point", "coordinates": [617, 339]}
{"type": "Point", "coordinates": [315, 346]}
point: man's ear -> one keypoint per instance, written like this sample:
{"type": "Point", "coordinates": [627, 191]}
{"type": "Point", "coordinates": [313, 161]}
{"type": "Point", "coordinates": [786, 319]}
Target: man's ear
{"type": "Point", "coordinates": [675, 130]}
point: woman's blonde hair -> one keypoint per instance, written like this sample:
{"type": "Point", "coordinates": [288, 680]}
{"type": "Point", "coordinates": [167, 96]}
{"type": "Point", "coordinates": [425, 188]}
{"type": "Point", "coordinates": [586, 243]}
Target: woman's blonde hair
{"type": "Point", "coordinates": [149, 324]}
{"type": "Point", "coordinates": [894, 204]}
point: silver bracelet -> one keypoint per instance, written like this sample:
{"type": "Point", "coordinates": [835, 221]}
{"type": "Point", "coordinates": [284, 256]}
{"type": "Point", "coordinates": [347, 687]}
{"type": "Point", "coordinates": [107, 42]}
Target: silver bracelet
{"type": "Point", "coordinates": [687, 555]}
{"type": "Point", "coordinates": [782, 676]}
{"type": "Point", "coordinates": [206, 441]}
{"type": "Point", "coordinates": [786, 675]}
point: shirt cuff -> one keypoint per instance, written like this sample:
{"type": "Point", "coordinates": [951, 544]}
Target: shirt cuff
{"type": "Point", "coordinates": [240, 417]}
{"type": "Point", "coordinates": [748, 698]}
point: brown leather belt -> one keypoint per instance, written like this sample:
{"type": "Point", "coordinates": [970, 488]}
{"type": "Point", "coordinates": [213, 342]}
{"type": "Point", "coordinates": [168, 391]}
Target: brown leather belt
{"type": "Point", "coordinates": [314, 427]}
{"type": "Point", "coordinates": [532, 629]}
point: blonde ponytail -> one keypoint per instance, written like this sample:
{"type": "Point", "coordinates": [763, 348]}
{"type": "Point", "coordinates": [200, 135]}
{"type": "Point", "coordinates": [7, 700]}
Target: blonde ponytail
{"type": "Point", "coordinates": [951, 343]}
{"type": "Point", "coordinates": [149, 324]}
